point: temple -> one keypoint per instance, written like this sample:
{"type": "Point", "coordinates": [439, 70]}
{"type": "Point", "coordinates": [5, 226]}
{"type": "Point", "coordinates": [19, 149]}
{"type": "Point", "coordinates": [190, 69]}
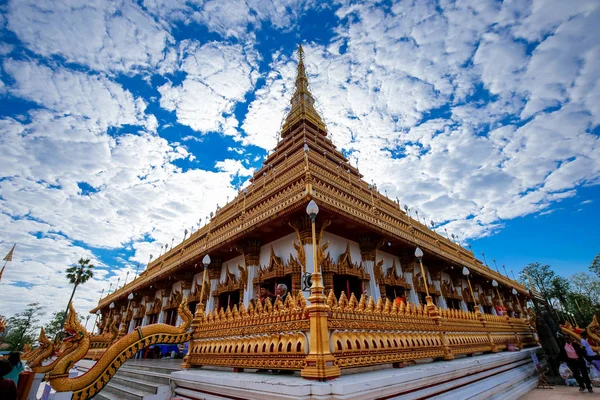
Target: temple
{"type": "Point", "coordinates": [386, 289]}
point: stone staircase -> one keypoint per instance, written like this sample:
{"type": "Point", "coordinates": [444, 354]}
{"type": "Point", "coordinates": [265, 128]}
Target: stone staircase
{"type": "Point", "coordinates": [141, 380]}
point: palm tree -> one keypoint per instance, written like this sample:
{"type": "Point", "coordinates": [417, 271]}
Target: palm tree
{"type": "Point", "coordinates": [78, 275]}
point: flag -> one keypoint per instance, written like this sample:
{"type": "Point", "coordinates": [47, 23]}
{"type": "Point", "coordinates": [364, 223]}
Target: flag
{"type": "Point", "coordinates": [10, 254]}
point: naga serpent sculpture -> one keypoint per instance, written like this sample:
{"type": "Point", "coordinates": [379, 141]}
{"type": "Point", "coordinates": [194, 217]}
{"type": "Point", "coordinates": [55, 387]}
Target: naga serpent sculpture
{"type": "Point", "coordinates": [45, 350]}
{"type": "Point", "coordinates": [77, 342]}
{"type": "Point", "coordinates": [99, 343]}
{"type": "Point", "coordinates": [593, 331]}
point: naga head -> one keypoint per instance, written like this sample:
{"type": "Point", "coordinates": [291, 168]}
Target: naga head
{"type": "Point", "coordinates": [73, 346]}
{"type": "Point", "coordinates": [45, 350]}
{"type": "Point", "coordinates": [73, 331]}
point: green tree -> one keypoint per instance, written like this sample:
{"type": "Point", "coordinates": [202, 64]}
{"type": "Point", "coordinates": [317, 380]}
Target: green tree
{"type": "Point", "coordinates": [595, 266]}
{"type": "Point", "coordinates": [56, 323]}
{"type": "Point", "coordinates": [22, 327]}
{"type": "Point", "coordinates": [586, 285]}
{"type": "Point", "coordinates": [78, 275]}
{"type": "Point", "coordinates": [541, 277]}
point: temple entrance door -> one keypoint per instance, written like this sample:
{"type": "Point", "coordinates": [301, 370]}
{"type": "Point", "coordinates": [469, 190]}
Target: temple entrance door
{"type": "Point", "coordinates": [228, 299]}
{"type": "Point", "coordinates": [487, 309]}
{"type": "Point", "coordinates": [192, 307]}
{"type": "Point", "coordinates": [347, 284]}
{"type": "Point", "coordinates": [453, 304]}
{"type": "Point", "coordinates": [393, 292]}
{"type": "Point", "coordinates": [171, 317]}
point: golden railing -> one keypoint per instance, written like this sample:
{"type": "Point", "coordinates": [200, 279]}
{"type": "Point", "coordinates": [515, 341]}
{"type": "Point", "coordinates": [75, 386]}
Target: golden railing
{"type": "Point", "coordinates": [361, 333]}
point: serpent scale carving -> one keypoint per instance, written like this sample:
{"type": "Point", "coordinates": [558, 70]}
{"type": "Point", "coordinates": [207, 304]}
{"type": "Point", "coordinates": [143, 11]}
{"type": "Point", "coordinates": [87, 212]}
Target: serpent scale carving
{"type": "Point", "coordinates": [89, 384]}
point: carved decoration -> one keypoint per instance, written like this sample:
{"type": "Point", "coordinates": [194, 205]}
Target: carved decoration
{"type": "Point", "coordinates": [231, 284]}
{"type": "Point", "coordinates": [174, 300]}
{"type": "Point", "coordinates": [156, 307]}
{"type": "Point", "coordinates": [420, 288]}
{"type": "Point", "coordinates": [448, 290]}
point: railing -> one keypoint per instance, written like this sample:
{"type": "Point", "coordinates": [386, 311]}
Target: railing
{"type": "Point", "coordinates": [361, 333]}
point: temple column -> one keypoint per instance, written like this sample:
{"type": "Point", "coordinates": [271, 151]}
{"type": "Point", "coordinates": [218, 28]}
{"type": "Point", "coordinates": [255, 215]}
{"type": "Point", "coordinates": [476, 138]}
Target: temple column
{"type": "Point", "coordinates": [436, 279]}
{"type": "Point", "coordinates": [214, 274]}
{"type": "Point", "coordinates": [368, 251]}
{"type": "Point", "coordinates": [164, 298]}
{"type": "Point", "coordinates": [251, 253]}
{"type": "Point", "coordinates": [407, 263]}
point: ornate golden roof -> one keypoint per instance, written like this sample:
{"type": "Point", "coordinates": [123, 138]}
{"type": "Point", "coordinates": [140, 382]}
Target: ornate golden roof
{"type": "Point", "coordinates": [303, 110]}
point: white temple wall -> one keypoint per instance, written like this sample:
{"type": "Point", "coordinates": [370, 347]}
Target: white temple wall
{"type": "Point", "coordinates": [232, 266]}
{"type": "Point", "coordinates": [282, 247]}
{"type": "Point", "coordinates": [337, 246]}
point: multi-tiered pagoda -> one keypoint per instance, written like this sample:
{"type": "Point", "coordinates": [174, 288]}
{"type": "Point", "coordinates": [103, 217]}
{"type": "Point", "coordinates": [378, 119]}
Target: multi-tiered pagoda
{"type": "Point", "coordinates": [365, 246]}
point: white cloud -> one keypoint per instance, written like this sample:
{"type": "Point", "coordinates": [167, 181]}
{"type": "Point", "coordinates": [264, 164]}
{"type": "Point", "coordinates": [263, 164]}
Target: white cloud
{"type": "Point", "coordinates": [74, 93]}
{"type": "Point", "coordinates": [218, 76]}
{"type": "Point", "coordinates": [107, 36]}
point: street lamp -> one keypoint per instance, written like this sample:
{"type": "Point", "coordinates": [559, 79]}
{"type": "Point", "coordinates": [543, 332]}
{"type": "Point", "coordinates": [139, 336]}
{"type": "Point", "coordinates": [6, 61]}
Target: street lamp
{"type": "Point", "coordinates": [430, 306]}
{"type": "Point", "coordinates": [495, 284]}
{"type": "Point", "coordinates": [98, 312]}
{"type": "Point", "coordinates": [466, 273]}
{"type": "Point", "coordinates": [320, 361]}
{"type": "Point", "coordinates": [206, 263]}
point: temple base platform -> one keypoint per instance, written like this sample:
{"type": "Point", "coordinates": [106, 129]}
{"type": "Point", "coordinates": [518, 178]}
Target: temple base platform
{"type": "Point", "coordinates": [504, 375]}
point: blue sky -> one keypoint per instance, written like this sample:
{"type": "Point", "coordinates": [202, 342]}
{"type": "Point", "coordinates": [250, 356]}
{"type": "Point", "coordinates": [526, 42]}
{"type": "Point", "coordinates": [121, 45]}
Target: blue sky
{"type": "Point", "coordinates": [123, 123]}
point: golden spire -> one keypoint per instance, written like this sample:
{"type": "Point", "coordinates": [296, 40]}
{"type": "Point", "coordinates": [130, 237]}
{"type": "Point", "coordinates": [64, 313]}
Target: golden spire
{"type": "Point", "coordinates": [303, 109]}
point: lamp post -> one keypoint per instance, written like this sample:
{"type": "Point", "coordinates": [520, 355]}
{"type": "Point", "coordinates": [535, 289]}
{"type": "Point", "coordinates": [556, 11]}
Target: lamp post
{"type": "Point", "coordinates": [129, 299]}
{"type": "Point", "coordinates": [199, 314]}
{"type": "Point", "coordinates": [431, 308]}
{"type": "Point", "coordinates": [515, 293]}
{"type": "Point", "coordinates": [98, 312]}
{"type": "Point", "coordinates": [466, 273]}
{"type": "Point", "coordinates": [495, 285]}
{"type": "Point", "coordinates": [110, 315]}
{"type": "Point", "coordinates": [320, 362]}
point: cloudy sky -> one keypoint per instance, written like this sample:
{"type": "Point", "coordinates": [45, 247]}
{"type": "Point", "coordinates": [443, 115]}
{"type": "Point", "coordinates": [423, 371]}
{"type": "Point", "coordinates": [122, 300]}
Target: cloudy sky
{"type": "Point", "coordinates": [122, 123]}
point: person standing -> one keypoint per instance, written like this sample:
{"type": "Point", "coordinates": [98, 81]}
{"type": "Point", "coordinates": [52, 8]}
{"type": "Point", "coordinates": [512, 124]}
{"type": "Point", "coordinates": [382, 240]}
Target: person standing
{"type": "Point", "coordinates": [17, 367]}
{"type": "Point", "coordinates": [574, 355]}
{"type": "Point", "coordinates": [8, 388]}
{"type": "Point", "coordinates": [589, 353]}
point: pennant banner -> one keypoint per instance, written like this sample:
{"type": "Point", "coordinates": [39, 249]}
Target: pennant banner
{"type": "Point", "coordinates": [10, 254]}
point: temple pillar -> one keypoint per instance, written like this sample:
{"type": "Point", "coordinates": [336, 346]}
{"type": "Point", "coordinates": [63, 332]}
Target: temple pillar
{"type": "Point", "coordinates": [251, 253]}
{"type": "Point", "coordinates": [214, 274]}
{"type": "Point", "coordinates": [407, 263]}
{"type": "Point", "coordinates": [368, 251]}
{"type": "Point", "coordinates": [436, 279]}
{"type": "Point", "coordinates": [164, 298]}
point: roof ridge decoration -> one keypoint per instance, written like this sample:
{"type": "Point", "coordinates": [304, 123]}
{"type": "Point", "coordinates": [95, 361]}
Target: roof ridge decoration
{"type": "Point", "coordinates": [303, 109]}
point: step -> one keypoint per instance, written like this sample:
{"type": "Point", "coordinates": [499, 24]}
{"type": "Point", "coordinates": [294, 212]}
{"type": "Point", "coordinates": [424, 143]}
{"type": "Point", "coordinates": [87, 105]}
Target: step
{"type": "Point", "coordinates": [156, 378]}
{"type": "Point", "coordinates": [124, 392]}
{"type": "Point", "coordinates": [166, 369]}
{"type": "Point", "coordinates": [138, 384]}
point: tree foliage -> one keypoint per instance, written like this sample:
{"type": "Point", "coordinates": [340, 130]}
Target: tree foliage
{"type": "Point", "coordinates": [541, 277]}
{"type": "Point", "coordinates": [595, 265]}
{"type": "Point", "coordinates": [23, 327]}
{"type": "Point", "coordinates": [55, 325]}
{"type": "Point", "coordinates": [78, 275]}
